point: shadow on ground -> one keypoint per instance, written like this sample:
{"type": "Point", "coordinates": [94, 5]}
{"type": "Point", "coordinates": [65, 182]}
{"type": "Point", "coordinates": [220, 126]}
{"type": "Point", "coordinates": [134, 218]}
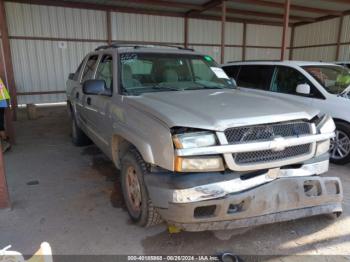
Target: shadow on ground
{"type": "Point", "coordinates": [71, 206]}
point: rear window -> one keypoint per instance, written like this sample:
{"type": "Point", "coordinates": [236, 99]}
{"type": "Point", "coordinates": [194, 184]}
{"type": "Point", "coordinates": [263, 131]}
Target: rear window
{"type": "Point", "coordinates": [255, 76]}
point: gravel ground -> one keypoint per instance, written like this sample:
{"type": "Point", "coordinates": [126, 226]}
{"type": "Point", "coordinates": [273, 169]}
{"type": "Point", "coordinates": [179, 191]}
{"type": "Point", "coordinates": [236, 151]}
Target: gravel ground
{"type": "Point", "coordinates": [68, 196]}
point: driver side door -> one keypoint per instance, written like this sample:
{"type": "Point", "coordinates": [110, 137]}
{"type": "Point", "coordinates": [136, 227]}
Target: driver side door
{"type": "Point", "coordinates": [101, 103]}
{"type": "Point", "coordinates": [284, 84]}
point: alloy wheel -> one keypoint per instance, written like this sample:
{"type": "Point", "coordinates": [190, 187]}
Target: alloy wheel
{"type": "Point", "coordinates": [340, 145]}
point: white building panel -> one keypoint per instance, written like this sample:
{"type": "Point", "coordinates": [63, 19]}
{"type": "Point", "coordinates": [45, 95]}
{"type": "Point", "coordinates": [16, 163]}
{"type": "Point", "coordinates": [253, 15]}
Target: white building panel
{"type": "Point", "coordinates": [345, 36]}
{"type": "Point", "coordinates": [344, 53]}
{"type": "Point", "coordinates": [204, 31]}
{"type": "Point", "coordinates": [234, 33]}
{"type": "Point", "coordinates": [44, 66]}
{"type": "Point", "coordinates": [264, 54]}
{"type": "Point", "coordinates": [148, 28]}
{"type": "Point", "coordinates": [324, 32]}
{"type": "Point", "coordinates": [49, 21]}
{"type": "Point", "coordinates": [233, 54]}
{"type": "Point", "coordinates": [265, 35]}
{"type": "Point", "coordinates": [325, 53]}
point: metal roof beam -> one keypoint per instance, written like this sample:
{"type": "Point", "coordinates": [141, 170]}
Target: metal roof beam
{"type": "Point", "coordinates": [263, 14]}
{"type": "Point", "coordinates": [162, 3]}
{"type": "Point", "coordinates": [347, 2]}
{"type": "Point", "coordinates": [208, 5]}
{"type": "Point", "coordinates": [293, 7]}
{"type": "Point", "coordinates": [113, 8]}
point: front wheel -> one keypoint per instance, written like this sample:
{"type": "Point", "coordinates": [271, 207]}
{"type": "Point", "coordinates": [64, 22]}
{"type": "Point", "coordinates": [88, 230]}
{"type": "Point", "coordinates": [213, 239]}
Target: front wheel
{"type": "Point", "coordinates": [137, 201]}
{"type": "Point", "coordinates": [340, 144]}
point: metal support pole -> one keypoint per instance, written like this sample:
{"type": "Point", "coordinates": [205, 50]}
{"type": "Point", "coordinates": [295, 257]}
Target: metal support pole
{"type": "Point", "coordinates": [244, 47]}
{"type": "Point", "coordinates": [186, 32]}
{"type": "Point", "coordinates": [6, 74]}
{"type": "Point", "coordinates": [223, 23]}
{"type": "Point", "coordinates": [285, 28]}
{"type": "Point", "coordinates": [291, 45]}
{"type": "Point", "coordinates": [10, 79]}
{"type": "Point", "coordinates": [340, 29]}
{"type": "Point", "coordinates": [109, 27]}
{"type": "Point", "coordinates": [4, 194]}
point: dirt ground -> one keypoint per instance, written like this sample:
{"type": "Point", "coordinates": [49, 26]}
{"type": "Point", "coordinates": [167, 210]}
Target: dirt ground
{"type": "Point", "coordinates": [67, 196]}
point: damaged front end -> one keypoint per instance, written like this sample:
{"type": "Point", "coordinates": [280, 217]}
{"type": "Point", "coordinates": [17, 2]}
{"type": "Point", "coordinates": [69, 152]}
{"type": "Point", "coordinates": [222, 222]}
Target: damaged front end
{"type": "Point", "coordinates": [271, 175]}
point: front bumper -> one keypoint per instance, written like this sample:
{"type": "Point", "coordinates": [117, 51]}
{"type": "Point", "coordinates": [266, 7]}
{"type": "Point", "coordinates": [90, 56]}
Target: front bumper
{"type": "Point", "coordinates": [278, 195]}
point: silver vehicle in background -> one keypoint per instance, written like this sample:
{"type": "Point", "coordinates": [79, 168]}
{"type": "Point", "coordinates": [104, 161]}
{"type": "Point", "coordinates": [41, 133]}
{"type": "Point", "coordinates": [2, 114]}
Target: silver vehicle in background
{"type": "Point", "coordinates": [192, 149]}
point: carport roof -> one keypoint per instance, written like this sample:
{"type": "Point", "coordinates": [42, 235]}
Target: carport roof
{"type": "Point", "coordinates": [250, 11]}
{"type": "Point", "coordinates": [256, 11]}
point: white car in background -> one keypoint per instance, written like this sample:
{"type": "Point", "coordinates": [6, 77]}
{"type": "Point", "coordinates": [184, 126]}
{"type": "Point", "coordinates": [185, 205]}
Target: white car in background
{"type": "Point", "coordinates": [324, 86]}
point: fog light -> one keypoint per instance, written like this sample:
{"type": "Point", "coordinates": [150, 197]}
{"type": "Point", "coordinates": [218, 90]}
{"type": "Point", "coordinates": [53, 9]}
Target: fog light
{"type": "Point", "coordinates": [199, 164]}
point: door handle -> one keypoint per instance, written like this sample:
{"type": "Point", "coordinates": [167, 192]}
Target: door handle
{"type": "Point", "coordinates": [88, 100]}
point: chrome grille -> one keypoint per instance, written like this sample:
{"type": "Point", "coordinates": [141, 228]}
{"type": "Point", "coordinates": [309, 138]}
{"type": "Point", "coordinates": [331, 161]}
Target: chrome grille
{"type": "Point", "coordinates": [267, 132]}
{"type": "Point", "coordinates": [269, 155]}
{"type": "Point", "coordinates": [258, 133]}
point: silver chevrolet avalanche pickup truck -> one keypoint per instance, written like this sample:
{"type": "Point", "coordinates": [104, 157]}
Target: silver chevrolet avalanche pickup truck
{"type": "Point", "coordinates": [194, 151]}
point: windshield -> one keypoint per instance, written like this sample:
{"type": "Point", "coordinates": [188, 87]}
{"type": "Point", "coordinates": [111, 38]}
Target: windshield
{"type": "Point", "coordinates": [149, 72]}
{"type": "Point", "coordinates": [335, 79]}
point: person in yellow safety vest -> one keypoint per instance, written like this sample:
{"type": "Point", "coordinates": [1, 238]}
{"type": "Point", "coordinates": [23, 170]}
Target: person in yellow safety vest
{"type": "Point", "coordinates": [4, 103]}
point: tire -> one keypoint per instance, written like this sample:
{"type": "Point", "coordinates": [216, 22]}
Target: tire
{"type": "Point", "coordinates": [137, 201]}
{"type": "Point", "coordinates": [79, 138]}
{"type": "Point", "coordinates": [340, 145]}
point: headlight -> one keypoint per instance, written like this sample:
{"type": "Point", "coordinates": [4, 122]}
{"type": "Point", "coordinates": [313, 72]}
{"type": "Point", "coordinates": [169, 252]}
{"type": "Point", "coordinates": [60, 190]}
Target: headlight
{"type": "Point", "coordinates": [194, 140]}
{"type": "Point", "coordinates": [199, 164]}
{"type": "Point", "coordinates": [326, 125]}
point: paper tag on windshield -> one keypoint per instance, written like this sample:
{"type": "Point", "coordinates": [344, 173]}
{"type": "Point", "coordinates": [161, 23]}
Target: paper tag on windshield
{"type": "Point", "coordinates": [219, 72]}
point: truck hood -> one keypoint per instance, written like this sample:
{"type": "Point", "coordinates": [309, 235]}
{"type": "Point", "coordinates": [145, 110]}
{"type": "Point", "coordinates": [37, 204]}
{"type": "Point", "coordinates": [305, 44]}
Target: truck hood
{"type": "Point", "coordinates": [217, 109]}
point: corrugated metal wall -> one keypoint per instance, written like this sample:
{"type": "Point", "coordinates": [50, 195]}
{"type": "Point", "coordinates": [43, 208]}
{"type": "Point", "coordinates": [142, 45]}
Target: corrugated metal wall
{"type": "Point", "coordinates": [344, 52]}
{"type": "Point", "coordinates": [41, 65]}
{"type": "Point", "coordinates": [205, 37]}
{"type": "Point", "coordinates": [268, 36]}
{"type": "Point", "coordinates": [320, 33]}
{"type": "Point", "coordinates": [148, 28]}
{"type": "Point", "coordinates": [48, 43]}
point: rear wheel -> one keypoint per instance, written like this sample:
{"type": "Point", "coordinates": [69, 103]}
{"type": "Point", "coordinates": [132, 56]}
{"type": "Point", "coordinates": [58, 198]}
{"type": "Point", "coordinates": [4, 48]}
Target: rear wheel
{"type": "Point", "coordinates": [137, 201]}
{"type": "Point", "coordinates": [340, 144]}
{"type": "Point", "coordinates": [78, 136]}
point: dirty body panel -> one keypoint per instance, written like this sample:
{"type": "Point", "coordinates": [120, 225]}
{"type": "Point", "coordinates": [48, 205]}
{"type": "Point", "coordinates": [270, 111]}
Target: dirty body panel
{"type": "Point", "coordinates": [214, 157]}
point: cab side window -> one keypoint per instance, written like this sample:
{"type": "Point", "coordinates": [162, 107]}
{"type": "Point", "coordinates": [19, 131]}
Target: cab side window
{"type": "Point", "coordinates": [255, 76]}
{"type": "Point", "coordinates": [89, 68]}
{"type": "Point", "coordinates": [77, 73]}
{"type": "Point", "coordinates": [232, 71]}
{"type": "Point", "coordinates": [105, 71]}
{"type": "Point", "coordinates": [286, 80]}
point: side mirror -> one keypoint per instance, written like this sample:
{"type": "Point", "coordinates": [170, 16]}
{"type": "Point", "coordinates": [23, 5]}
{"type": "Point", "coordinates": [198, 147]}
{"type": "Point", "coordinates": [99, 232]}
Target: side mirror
{"type": "Point", "coordinates": [96, 87]}
{"type": "Point", "coordinates": [71, 76]}
{"type": "Point", "coordinates": [303, 89]}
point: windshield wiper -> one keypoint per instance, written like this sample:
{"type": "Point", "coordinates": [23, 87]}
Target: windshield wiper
{"type": "Point", "coordinates": [166, 88]}
{"type": "Point", "coordinates": [202, 87]}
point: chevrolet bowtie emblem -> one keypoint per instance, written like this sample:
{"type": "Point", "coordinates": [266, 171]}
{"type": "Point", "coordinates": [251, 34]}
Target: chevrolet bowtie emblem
{"type": "Point", "coordinates": [278, 144]}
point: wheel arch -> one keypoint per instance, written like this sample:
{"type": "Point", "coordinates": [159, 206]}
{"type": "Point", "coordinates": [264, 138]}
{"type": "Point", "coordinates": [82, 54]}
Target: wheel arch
{"type": "Point", "coordinates": [340, 120]}
{"type": "Point", "coordinates": [121, 145]}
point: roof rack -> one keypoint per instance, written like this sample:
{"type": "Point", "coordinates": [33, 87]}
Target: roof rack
{"type": "Point", "coordinates": [254, 60]}
{"type": "Point", "coordinates": [135, 46]}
